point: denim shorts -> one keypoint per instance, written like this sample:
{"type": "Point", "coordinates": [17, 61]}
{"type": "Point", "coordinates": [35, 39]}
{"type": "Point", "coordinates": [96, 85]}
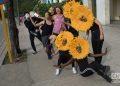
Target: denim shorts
{"type": "Point", "coordinates": [46, 40]}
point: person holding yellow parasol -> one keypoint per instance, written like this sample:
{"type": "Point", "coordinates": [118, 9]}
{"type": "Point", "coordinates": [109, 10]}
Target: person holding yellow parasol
{"type": "Point", "coordinates": [62, 42]}
{"type": "Point", "coordinates": [97, 38]}
{"type": "Point", "coordinates": [82, 19]}
{"type": "Point", "coordinates": [79, 49]}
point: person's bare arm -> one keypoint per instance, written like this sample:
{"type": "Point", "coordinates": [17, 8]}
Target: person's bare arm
{"type": "Point", "coordinates": [38, 24]}
{"type": "Point", "coordinates": [67, 23]}
{"type": "Point", "coordinates": [97, 55]}
{"type": "Point", "coordinates": [40, 17]}
{"type": "Point", "coordinates": [67, 63]}
{"type": "Point", "coordinates": [100, 28]}
{"type": "Point", "coordinates": [57, 51]}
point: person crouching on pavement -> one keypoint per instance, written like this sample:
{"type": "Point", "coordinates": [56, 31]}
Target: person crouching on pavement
{"type": "Point", "coordinates": [88, 69]}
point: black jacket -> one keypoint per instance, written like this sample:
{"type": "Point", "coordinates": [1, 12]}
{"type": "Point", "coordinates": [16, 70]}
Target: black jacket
{"type": "Point", "coordinates": [29, 24]}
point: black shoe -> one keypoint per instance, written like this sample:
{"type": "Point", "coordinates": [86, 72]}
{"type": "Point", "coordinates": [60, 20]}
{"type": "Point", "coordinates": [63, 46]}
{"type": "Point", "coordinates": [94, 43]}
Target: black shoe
{"type": "Point", "coordinates": [49, 54]}
{"type": "Point", "coordinates": [50, 57]}
{"type": "Point", "coordinates": [107, 78]}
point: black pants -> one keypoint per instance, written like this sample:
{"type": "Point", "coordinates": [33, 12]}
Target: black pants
{"type": "Point", "coordinates": [32, 37]}
{"type": "Point", "coordinates": [64, 57]}
{"type": "Point", "coordinates": [97, 49]}
{"type": "Point", "coordinates": [47, 45]}
{"type": "Point", "coordinates": [94, 67]}
{"type": "Point", "coordinates": [46, 40]}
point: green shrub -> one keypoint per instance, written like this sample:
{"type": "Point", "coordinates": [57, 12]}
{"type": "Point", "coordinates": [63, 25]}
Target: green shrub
{"type": "Point", "coordinates": [42, 8]}
{"type": "Point", "coordinates": [29, 5]}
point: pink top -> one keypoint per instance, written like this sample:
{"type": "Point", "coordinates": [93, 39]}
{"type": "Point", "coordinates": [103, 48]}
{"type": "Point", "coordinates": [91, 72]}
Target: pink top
{"type": "Point", "coordinates": [58, 23]}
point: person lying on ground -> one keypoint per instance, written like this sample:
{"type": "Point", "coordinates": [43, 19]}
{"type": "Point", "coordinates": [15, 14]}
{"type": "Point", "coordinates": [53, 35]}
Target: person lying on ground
{"type": "Point", "coordinates": [88, 69]}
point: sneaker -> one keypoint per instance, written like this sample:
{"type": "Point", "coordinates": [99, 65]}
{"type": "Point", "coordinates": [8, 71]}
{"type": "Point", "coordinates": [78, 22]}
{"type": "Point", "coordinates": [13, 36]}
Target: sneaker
{"type": "Point", "coordinates": [107, 78]}
{"type": "Point", "coordinates": [49, 57]}
{"type": "Point", "coordinates": [35, 52]}
{"type": "Point", "coordinates": [49, 54]}
{"type": "Point", "coordinates": [74, 70]}
{"type": "Point", "coordinates": [57, 71]}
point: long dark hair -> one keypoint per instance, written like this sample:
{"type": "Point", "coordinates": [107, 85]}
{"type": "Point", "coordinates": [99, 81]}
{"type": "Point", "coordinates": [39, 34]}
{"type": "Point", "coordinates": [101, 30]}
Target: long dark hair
{"type": "Point", "coordinates": [50, 16]}
{"type": "Point", "coordinates": [49, 13]}
{"type": "Point", "coordinates": [60, 9]}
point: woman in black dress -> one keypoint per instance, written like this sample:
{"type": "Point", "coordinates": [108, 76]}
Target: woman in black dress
{"type": "Point", "coordinates": [97, 38]}
{"type": "Point", "coordinates": [64, 56]}
{"type": "Point", "coordinates": [47, 27]}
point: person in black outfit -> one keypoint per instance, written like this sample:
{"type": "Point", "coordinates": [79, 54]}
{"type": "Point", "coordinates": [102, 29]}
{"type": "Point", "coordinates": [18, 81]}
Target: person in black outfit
{"type": "Point", "coordinates": [33, 31]}
{"type": "Point", "coordinates": [97, 39]}
{"type": "Point", "coordinates": [64, 56]}
{"type": "Point", "coordinates": [71, 29]}
{"type": "Point", "coordinates": [88, 69]}
{"type": "Point", "coordinates": [47, 27]}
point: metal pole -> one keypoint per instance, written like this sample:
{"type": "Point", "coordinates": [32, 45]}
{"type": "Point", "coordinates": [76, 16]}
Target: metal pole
{"type": "Point", "coordinates": [6, 35]}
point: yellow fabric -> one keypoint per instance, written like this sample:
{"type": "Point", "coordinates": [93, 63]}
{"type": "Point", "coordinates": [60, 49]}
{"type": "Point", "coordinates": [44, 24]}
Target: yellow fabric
{"type": "Point", "coordinates": [69, 9]}
{"type": "Point", "coordinates": [65, 35]}
{"type": "Point", "coordinates": [84, 46]}
{"type": "Point", "coordinates": [80, 25]}
{"type": "Point", "coordinates": [74, 11]}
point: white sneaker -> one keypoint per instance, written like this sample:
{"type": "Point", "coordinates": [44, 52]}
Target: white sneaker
{"type": "Point", "coordinates": [35, 52]}
{"type": "Point", "coordinates": [74, 70]}
{"type": "Point", "coordinates": [57, 71]}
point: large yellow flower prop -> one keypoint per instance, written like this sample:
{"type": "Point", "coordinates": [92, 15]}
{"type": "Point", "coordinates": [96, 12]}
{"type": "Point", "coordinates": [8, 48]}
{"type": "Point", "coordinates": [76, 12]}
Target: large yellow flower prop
{"type": "Point", "coordinates": [69, 9]}
{"type": "Point", "coordinates": [63, 40]}
{"type": "Point", "coordinates": [81, 16]}
{"type": "Point", "coordinates": [83, 20]}
{"type": "Point", "coordinates": [79, 48]}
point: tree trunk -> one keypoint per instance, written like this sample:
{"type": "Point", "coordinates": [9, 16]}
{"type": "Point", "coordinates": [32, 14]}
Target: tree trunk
{"type": "Point", "coordinates": [14, 30]}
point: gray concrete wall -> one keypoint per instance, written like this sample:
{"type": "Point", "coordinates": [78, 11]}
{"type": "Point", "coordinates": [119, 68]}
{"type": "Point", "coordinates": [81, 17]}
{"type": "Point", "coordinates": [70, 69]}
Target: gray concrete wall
{"type": "Point", "coordinates": [115, 7]}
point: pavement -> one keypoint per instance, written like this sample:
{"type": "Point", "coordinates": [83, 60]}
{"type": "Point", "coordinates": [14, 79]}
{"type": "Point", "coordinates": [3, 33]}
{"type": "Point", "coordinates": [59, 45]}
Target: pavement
{"type": "Point", "coordinates": [37, 70]}
{"type": "Point", "coordinates": [15, 75]}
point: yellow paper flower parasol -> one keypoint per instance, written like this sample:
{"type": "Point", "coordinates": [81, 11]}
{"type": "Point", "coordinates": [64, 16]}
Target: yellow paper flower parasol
{"type": "Point", "coordinates": [83, 20]}
{"type": "Point", "coordinates": [79, 48]}
{"type": "Point", "coordinates": [63, 40]}
{"type": "Point", "coordinates": [69, 9]}
{"type": "Point", "coordinates": [51, 9]}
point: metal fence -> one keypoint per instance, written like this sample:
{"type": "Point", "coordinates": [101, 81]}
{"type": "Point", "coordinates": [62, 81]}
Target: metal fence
{"type": "Point", "coordinates": [3, 49]}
